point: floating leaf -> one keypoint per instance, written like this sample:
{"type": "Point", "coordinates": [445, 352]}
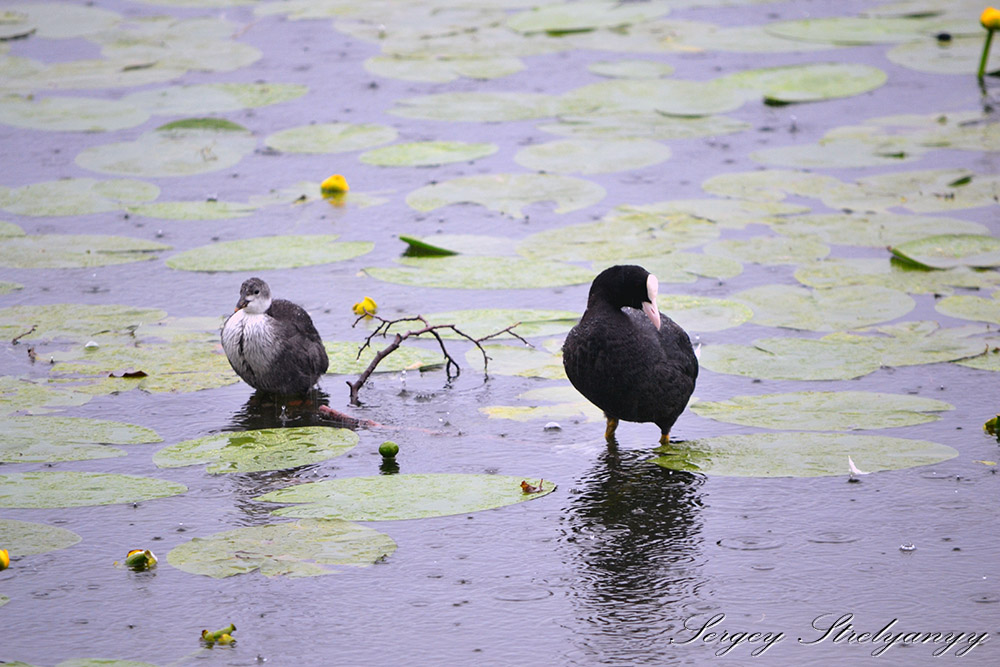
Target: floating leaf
{"type": "Point", "coordinates": [648, 124]}
{"type": "Point", "coordinates": [799, 454]}
{"type": "Point", "coordinates": [79, 489]}
{"type": "Point", "coordinates": [959, 55]}
{"type": "Point", "coordinates": [24, 538]}
{"type": "Point", "coordinates": [590, 156]}
{"type": "Point", "coordinates": [193, 210]}
{"type": "Point", "coordinates": [65, 251]}
{"type": "Point", "coordinates": [824, 410]}
{"type": "Point", "coordinates": [76, 196]}
{"type": "Point", "coordinates": [69, 114]}
{"type": "Point", "coordinates": [22, 395]}
{"type": "Point", "coordinates": [269, 252]}
{"type": "Point", "coordinates": [791, 359]}
{"type": "Point", "coordinates": [670, 97]}
{"type": "Point", "coordinates": [62, 20]}
{"type": "Point", "coordinates": [749, 39]}
{"type": "Point", "coordinates": [808, 83]}
{"type": "Point", "coordinates": [213, 98]}
{"type": "Point", "coordinates": [700, 313]}
{"type": "Point", "coordinates": [548, 403]}
{"type": "Point", "coordinates": [395, 497]}
{"type": "Point", "coordinates": [442, 69]}
{"type": "Point", "coordinates": [851, 30]}
{"type": "Point", "coordinates": [521, 361]}
{"type": "Point", "coordinates": [730, 213]}
{"type": "Point", "coordinates": [465, 272]}
{"type": "Point", "coordinates": [306, 548]}
{"type": "Point", "coordinates": [968, 307]}
{"type": "Point", "coordinates": [875, 230]}
{"type": "Point", "coordinates": [769, 250]}
{"type": "Point", "coordinates": [893, 274]}
{"type": "Point", "coordinates": [330, 138]}
{"type": "Point", "coordinates": [915, 343]}
{"type": "Point", "coordinates": [344, 358]}
{"type": "Point", "coordinates": [585, 15]}
{"type": "Point", "coordinates": [508, 193]}
{"type": "Point", "coordinates": [256, 450]}
{"type": "Point", "coordinates": [632, 69]}
{"type": "Point", "coordinates": [844, 152]}
{"type": "Point", "coordinates": [180, 150]}
{"type": "Point", "coordinates": [830, 309]}
{"type": "Point", "coordinates": [945, 251]}
{"type": "Point", "coordinates": [681, 267]}
{"type": "Point", "coordinates": [427, 153]}
{"type": "Point", "coordinates": [72, 321]}
{"type": "Point", "coordinates": [485, 321]}
{"type": "Point", "coordinates": [480, 107]}
{"type": "Point", "coordinates": [51, 439]}
{"type": "Point", "coordinates": [418, 248]}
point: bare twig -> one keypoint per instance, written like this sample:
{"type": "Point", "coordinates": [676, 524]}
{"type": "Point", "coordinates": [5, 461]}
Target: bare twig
{"type": "Point", "coordinates": [452, 368]}
{"type": "Point", "coordinates": [15, 339]}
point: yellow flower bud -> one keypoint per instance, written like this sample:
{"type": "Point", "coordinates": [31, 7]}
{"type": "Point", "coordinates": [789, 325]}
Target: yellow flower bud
{"type": "Point", "coordinates": [366, 307]}
{"type": "Point", "coordinates": [140, 559]}
{"type": "Point", "coordinates": [4, 559]}
{"type": "Point", "coordinates": [334, 185]}
{"type": "Point", "coordinates": [990, 18]}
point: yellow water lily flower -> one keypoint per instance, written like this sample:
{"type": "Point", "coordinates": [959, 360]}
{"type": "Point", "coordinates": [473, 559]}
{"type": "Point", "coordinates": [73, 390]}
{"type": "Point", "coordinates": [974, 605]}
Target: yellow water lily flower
{"type": "Point", "coordinates": [4, 559]}
{"type": "Point", "coordinates": [140, 559]}
{"type": "Point", "coordinates": [366, 307]}
{"type": "Point", "coordinates": [222, 636]}
{"type": "Point", "coordinates": [335, 184]}
{"type": "Point", "coordinates": [990, 18]}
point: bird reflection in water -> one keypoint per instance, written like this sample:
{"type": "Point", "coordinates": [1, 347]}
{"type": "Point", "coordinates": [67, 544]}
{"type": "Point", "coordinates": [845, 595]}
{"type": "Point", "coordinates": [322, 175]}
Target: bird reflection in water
{"type": "Point", "coordinates": [633, 533]}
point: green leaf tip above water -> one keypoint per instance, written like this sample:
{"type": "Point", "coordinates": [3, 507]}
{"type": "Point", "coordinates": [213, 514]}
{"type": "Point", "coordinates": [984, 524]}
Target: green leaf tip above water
{"type": "Point", "coordinates": [946, 251]}
{"type": "Point", "coordinates": [51, 489]}
{"type": "Point", "coordinates": [823, 410]}
{"type": "Point", "coordinates": [417, 248]}
{"type": "Point", "coordinates": [213, 124]}
{"type": "Point", "coordinates": [256, 450]}
{"type": "Point", "coordinates": [306, 548]}
{"type": "Point", "coordinates": [794, 454]}
{"type": "Point", "coordinates": [25, 538]}
{"type": "Point", "coordinates": [406, 496]}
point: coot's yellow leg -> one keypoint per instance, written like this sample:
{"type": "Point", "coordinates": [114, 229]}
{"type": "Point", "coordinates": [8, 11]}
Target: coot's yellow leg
{"type": "Point", "coordinates": [609, 432]}
{"type": "Point", "coordinates": [665, 438]}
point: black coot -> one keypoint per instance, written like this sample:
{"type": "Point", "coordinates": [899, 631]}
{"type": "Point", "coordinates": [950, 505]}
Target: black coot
{"type": "Point", "coordinates": [272, 344]}
{"type": "Point", "coordinates": [626, 357]}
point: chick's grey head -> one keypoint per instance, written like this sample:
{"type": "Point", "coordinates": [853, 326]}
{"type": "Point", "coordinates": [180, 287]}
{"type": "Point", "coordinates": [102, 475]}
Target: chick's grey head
{"type": "Point", "coordinates": [255, 296]}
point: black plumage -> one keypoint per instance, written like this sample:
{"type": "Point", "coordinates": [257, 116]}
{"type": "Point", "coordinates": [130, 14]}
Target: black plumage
{"type": "Point", "coordinates": [627, 358]}
{"type": "Point", "coordinates": [273, 344]}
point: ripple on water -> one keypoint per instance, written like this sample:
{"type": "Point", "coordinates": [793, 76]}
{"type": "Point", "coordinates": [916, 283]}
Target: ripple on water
{"type": "Point", "coordinates": [521, 593]}
{"type": "Point", "coordinates": [751, 542]}
{"type": "Point", "coordinates": [833, 537]}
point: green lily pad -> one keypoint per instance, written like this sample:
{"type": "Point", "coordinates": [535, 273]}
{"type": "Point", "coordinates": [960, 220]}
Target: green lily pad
{"type": "Point", "coordinates": [945, 251]}
{"type": "Point", "coordinates": [851, 30]}
{"type": "Point", "coordinates": [791, 359]}
{"type": "Point", "coordinates": [69, 114]}
{"type": "Point", "coordinates": [875, 230]}
{"type": "Point", "coordinates": [799, 454]}
{"type": "Point", "coordinates": [959, 55]}
{"type": "Point", "coordinates": [8, 229]}
{"type": "Point", "coordinates": [915, 343]}
{"type": "Point", "coordinates": [669, 97]}
{"type": "Point", "coordinates": [331, 138]}
{"type": "Point", "coordinates": [769, 185]}
{"type": "Point", "coordinates": [824, 410]}
{"type": "Point", "coordinates": [213, 98]}
{"type": "Point", "coordinates": [813, 82]}
{"type": "Point", "coordinates": [832, 309]}
{"type": "Point", "coordinates": [990, 361]}
{"type": "Point", "coordinates": [729, 213]}
{"type": "Point", "coordinates": [479, 107]}
{"type": "Point", "coordinates": [269, 252]}
{"type": "Point", "coordinates": [427, 153]}
{"type": "Point", "coordinates": [522, 361]}
{"type": "Point", "coordinates": [60, 20]}
{"type": "Point", "coordinates": [25, 538]}
{"type": "Point", "coordinates": [80, 489]}
{"type": "Point", "coordinates": [193, 210]}
{"type": "Point", "coordinates": [460, 271]}
{"type": "Point", "coordinates": [23, 395]}
{"type": "Point", "coordinates": [306, 548]}
{"type": "Point", "coordinates": [407, 496]}
{"type": "Point", "coordinates": [442, 69]}
{"type": "Point", "coordinates": [171, 151]}
{"type": "Point", "coordinates": [592, 156]}
{"type": "Point", "coordinates": [893, 274]}
{"type": "Point", "coordinates": [485, 321]}
{"type": "Point", "coordinates": [968, 307]}
{"type": "Point", "coordinates": [681, 267]}
{"type": "Point", "coordinates": [256, 450]}
{"type": "Point", "coordinates": [76, 196]}
{"type": "Point", "coordinates": [770, 250]}
{"type": "Point", "coordinates": [642, 125]}
{"type": "Point", "coordinates": [72, 322]}
{"type": "Point", "coordinates": [548, 403]}
{"type": "Point", "coordinates": [51, 439]}
{"type": "Point", "coordinates": [631, 69]}
{"type": "Point", "coordinates": [750, 39]}
{"type": "Point", "coordinates": [8, 287]}
{"type": "Point", "coordinates": [344, 358]}
{"type": "Point", "coordinates": [65, 251]}
{"type": "Point", "coordinates": [701, 313]}
{"type": "Point", "coordinates": [841, 152]}
{"type": "Point", "coordinates": [508, 193]}
{"type": "Point", "coordinates": [585, 15]}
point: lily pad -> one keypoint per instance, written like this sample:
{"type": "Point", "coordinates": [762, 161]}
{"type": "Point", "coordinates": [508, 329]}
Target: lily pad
{"type": "Point", "coordinates": [51, 439]}
{"type": "Point", "coordinates": [73, 322]}
{"type": "Point", "coordinates": [729, 213]}
{"type": "Point", "coordinates": [479, 107]}
{"type": "Point", "coordinates": [769, 250]}
{"type": "Point", "coordinates": [945, 251]}
{"type": "Point", "coordinates": [824, 410]}
{"type": "Point", "coordinates": [799, 454]}
{"type": "Point", "coordinates": [80, 489]}
{"type": "Point", "coordinates": [508, 193]}
{"type": "Point", "coordinates": [590, 156]}
{"type": "Point", "coordinates": [331, 138]}
{"type": "Point", "coordinates": [632, 69]}
{"type": "Point", "coordinates": [669, 97]}
{"type": "Point", "coordinates": [434, 68]}
{"type": "Point", "coordinates": [213, 98]}
{"type": "Point", "coordinates": [25, 538]}
{"type": "Point", "coordinates": [548, 403]}
{"type": "Point", "coordinates": [427, 153]}
{"type": "Point", "coordinates": [851, 30]}
{"type": "Point", "coordinates": [648, 124]}
{"type": "Point", "coordinates": [460, 271]}
{"type": "Point", "coordinates": [832, 309]}
{"type": "Point", "coordinates": [407, 496]}
{"type": "Point", "coordinates": [681, 267]}
{"type": "Point", "coordinates": [27, 396]}
{"type": "Point", "coordinates": [875, 230]}
{"type": "Point", "coordinates": [69, 114]}
{"type": "Point", "coordinates": [585, 15]}
{"type": "Point", "coordinates": [959, 55]}
{"type": "Point", "coordinates": [76, 196]}
{"type": "Point", "coordinates": [269, 252]}
{"type": "Point", "coordinates": [791, 359]}
{"type": "Point", "coordinates": [915, 343]}
{"type": "Point", "coordinates": [193, 210]}
{"type": "Point", "coordinates": [344, 358]}
{"type": "Point", "coordinates": [813, 82]}
{"type": "Point", "coordinates": [62, 20]}
{"type": "Point", "coordinates": [485, 321]}
{"type": "Point", "coordinates": [968, 307]}
{"type": "Point", "coordinates": [522, 361]}
{"type": "Point", "coordinates": [701, 313]}
{"type": "Point", "coordinates": [256, 450]}
{"type": "Point", "coordinates": [171, 151]}
{"type": "Point", "coordinates": [306, 548]}
{"type": "Point", "coordinates": [65, 251]}
{"type": "Point", "coordinates": [830, 153]}
{"type": "Point", "coordinates": [893, 274]}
